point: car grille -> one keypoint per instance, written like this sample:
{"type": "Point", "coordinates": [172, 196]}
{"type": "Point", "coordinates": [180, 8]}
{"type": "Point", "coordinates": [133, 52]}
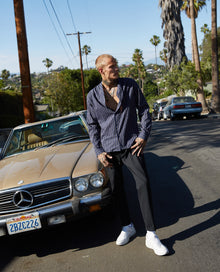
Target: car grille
{"type": "Point", "coordinates": [37, 194]}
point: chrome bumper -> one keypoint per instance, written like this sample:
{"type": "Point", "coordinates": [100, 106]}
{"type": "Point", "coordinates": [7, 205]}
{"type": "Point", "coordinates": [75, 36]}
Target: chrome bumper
{"type": "Point", "coordinates": [68, 210]}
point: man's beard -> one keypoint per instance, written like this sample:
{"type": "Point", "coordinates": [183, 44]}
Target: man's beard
{"type": "Point", "coordinates": [112, 83]}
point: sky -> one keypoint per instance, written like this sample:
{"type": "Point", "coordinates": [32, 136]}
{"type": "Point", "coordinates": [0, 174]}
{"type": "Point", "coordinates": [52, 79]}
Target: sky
{"type": "Point", "coordinates": [117, 27]}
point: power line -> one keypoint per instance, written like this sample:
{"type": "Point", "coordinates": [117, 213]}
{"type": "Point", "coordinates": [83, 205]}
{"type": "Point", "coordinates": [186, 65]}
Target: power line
{"type": "Point", "coordinates": [61, 28]}
{"type": "Point", "coordinates": [71, 15]}
{"type": "Point", "coordinates": [56, 31]}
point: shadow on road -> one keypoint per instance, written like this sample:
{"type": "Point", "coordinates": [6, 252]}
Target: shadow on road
{"type": "Point", "coordinates": [171, 200]}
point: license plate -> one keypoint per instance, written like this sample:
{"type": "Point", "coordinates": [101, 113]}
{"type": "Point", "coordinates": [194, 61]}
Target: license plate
{"type": "Point", "coordinates": [188, 106]}
{"type": "Point", "coordinates": [23, 223]}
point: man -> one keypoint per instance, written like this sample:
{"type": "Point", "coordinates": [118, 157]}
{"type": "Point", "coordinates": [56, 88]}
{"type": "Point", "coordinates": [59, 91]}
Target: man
{"type": "Point", "coordinates": [112, 120]}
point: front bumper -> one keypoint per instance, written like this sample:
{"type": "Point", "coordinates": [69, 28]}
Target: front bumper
{"type": "Point", "coordinates": [68, 210]}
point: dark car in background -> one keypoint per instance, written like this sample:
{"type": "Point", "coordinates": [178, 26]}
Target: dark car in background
{"type": "Point", "coordinates": [178, 107]}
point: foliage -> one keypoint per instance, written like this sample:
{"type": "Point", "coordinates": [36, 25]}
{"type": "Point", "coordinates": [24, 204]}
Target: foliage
{"type": "Point", "coordinates": [48, 63]}
{"type": "Point", "coordinates": [163, 55]}
{"type": "Point", "coordinates": [11, 110]}
{"type": "Point", "coordinates": [198, 5]}
{"type": "Point", "coordinates": [85, 51]}
{"type": "Point", "coordinates": [182, 79]}
{"type": "Point", "coordinates": [5, 74]}
{"type": "Point", "coordinates": [155, 41]}
{"type": "Point", "coordinates": [206, 53]}
{"type": "Point", "coordinates": [64, 90]}
{"type": "Point", "coordinates": [139, 65]}
{"type": "Point", "coordinates": [1, 84]}
{"type": "Point", "coordinates": [150, 89]}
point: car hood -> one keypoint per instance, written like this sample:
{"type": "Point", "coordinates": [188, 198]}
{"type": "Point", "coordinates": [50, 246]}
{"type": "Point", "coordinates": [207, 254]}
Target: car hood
{"type": "Point", "coordinates": [66, 160]}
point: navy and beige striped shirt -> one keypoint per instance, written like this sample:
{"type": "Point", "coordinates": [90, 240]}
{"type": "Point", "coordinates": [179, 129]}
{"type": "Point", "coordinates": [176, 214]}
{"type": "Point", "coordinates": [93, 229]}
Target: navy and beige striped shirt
{"type": "Point", "coordinates": [110, 130]}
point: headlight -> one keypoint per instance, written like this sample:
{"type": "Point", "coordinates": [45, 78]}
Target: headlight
{"type": "Point", "coordinates": [81, 184]}
{"type": "Point", "coordinates": [97, 180]}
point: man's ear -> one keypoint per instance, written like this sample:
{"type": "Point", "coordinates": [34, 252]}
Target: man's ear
{"type": "Point", "coordinates": [100, 70]}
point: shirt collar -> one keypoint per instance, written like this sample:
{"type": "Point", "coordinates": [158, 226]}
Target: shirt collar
{"type": "Point", "coordinates": [102, 96]}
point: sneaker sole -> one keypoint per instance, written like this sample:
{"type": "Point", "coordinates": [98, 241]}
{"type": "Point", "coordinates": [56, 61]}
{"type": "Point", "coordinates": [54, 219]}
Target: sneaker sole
{"type": "Point", "coordinates": [125, 241]}
{"type": "Point", "coordinates": [155, 251]}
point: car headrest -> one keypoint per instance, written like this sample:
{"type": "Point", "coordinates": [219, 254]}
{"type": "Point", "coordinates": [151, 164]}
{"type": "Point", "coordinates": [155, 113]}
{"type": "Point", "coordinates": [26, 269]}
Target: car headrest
{"type": "Point", "coordinates": [33, 138]}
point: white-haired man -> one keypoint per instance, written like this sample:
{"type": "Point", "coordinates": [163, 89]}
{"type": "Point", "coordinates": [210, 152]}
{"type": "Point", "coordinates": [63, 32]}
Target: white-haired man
{"type": "Point", "coordinates": [112, 120]}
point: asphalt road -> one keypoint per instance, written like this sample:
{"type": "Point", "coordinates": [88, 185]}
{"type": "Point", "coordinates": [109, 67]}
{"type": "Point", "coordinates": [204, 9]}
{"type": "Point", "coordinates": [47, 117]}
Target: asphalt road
{"type": "Point", "coordinates": [183, 163]}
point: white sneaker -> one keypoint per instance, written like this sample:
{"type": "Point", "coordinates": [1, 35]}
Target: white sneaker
{"type": "Point", "coordinates": [125, 235]}
{"type": "Point", "coordinates": [153, 242]}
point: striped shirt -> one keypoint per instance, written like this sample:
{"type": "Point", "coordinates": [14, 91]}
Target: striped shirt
{"type": "Point", "coordinates": [111, 130]}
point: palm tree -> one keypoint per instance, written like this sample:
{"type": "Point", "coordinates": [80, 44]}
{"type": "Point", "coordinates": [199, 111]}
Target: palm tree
{"type": "Point", "coordinates": [215, 71]}
{"type": "Point", "coordinates": [173, 31]}
{"type": "Point", "coordinates": [139, 64]}
{"type": "Point", "coordinates": [198, 5]}
{"type": "Point", "coordinates": [155, 41]}
{"type": "Point", "coordinates": [48, 63]}
{"type": "Point", "coordinates": [86, 50]}
{"type": "Point", "coordinates": [192, 7]}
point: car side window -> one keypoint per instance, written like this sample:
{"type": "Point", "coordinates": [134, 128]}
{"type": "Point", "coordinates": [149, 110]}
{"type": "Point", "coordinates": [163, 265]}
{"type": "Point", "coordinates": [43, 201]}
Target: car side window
{"type": "Point", "coordinates": [14, 143]}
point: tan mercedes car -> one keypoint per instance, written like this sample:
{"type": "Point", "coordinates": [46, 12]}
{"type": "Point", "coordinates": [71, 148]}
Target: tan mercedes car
{"type": "Point", "coordinates": [49, 174]}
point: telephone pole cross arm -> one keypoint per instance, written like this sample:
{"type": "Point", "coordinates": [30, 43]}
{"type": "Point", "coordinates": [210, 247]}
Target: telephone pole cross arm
{"type": "Point", "coordinates": [81, 65]}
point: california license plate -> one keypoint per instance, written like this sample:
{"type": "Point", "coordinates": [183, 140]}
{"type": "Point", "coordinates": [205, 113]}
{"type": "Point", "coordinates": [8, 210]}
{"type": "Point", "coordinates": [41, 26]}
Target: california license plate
{"type": "Point", "coordinates": [23, 223]}
{"type": "Point", "coordinates": [188, 106]}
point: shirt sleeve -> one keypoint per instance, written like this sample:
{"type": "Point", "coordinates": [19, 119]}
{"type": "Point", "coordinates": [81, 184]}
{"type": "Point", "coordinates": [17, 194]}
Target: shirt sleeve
{"type": "Point", "coordinates": [143, 114]}
{"type": "Point", "coordinates": [93, 126]}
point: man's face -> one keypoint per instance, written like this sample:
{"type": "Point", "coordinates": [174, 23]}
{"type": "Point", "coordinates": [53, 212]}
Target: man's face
{"type": "Point", "coordinates": [110, 71]}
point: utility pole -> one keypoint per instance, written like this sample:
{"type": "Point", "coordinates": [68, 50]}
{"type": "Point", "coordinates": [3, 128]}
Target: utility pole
{"type": "Point", "coordinates": [81, 65]}
{"type": "Point", "coordinates": [28, 106]}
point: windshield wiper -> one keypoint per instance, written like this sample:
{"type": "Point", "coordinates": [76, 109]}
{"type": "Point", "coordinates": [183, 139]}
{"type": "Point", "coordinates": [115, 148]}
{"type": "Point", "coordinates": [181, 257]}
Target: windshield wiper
{"type": "Point", "coordinates": [63, 140]}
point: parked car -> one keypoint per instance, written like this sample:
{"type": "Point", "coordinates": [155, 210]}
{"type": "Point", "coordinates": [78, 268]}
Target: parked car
{"type": "Point", "coordinates": [178, 107]}
{"type": "Point", "coordinates": [158, 110]}
{"type": "Point", "coordinates": [49, 174]}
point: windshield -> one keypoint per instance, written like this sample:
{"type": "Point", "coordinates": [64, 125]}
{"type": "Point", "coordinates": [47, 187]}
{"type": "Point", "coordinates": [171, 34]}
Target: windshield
{"type": "Point", "coordinates": [46, 134]}
{"type": "Point", "coordinates": [183, 99]}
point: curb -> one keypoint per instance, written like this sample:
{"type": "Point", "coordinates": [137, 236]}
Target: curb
{"type": "Point", "coordinates": [212, 116]}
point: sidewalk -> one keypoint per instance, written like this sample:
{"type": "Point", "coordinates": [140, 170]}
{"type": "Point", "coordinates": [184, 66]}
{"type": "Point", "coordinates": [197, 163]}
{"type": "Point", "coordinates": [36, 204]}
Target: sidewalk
{"type": "Point", "coordinates": [211, 115]}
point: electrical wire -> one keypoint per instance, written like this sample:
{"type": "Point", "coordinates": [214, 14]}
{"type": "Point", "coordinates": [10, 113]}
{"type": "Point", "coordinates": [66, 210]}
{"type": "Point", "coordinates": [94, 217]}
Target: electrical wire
{"type": "Point", "coordinates": [56, 30]}
{"type": "Point", "coordinates": [71, 15]}
{"type": "Point", "coordinates": [61, 28]}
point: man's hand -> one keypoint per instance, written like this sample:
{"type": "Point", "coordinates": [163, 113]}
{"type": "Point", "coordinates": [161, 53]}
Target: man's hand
{"type": "Point", "coordinates": [103, 158]}
{"type": "Point", "coordinates": [138, 146]}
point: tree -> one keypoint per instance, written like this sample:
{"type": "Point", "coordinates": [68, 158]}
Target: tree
{"type": "Point", "coordinates": [173, 31]}
{"type": "Point", "coordinates": [197, 6]}
{"type": "Point", "coordinates": [192, 7]}
{"type": "Point", "coordinates": [86, 50]}
{"type": "Point", "coordinates": [181, 79]}
{"type": "Point", "coordinates": [206, 53]}
{"type": "Point", "coordinates": [5, 74]}
{"type": "Point", "coordinates": [139, 64]}
{"type": "Point", "coordinates": [155, 41]}
{"type": "Point", "coordinates": [163, 55]}
{"type": "Point", "coordinates": [205, 29]}
{"type": "Point", "coordinates": [215, 71]}
{"type": "Point", "coordinates": [48, 63]}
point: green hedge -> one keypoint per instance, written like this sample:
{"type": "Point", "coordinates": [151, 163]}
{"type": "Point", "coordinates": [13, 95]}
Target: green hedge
{"type": "Point", "coordinates": [11, 109]}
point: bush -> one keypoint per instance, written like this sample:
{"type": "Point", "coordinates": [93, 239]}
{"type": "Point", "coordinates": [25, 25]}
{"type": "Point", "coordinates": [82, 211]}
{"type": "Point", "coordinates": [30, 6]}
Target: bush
{"type": "Point", "coordinates": [11, 109]}
{"type": "Point", "coordinates": [10, 120]}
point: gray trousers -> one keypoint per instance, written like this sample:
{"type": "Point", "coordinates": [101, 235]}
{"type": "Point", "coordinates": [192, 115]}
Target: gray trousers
{"type": "Point", "coordinates": [136, 166]}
